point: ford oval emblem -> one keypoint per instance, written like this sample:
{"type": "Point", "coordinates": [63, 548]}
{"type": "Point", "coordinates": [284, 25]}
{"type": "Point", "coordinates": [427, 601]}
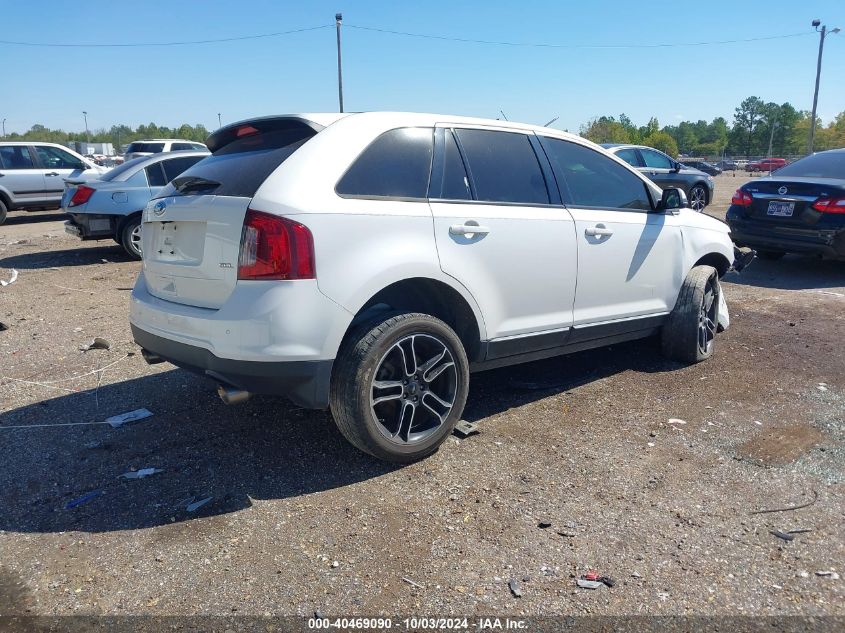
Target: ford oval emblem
{"type": "Point", "coordinates": [782, 190]}
{"type": "Point", "coordinates": [160, 208]}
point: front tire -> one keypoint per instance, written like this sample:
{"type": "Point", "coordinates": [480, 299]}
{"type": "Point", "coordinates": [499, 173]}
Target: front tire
{"type": "Point", "coordinates": [130, 237]}
{"type": "Point", "coordinates": [689, 335]}
{"type": "Point", "coordinates": [698, 198]}
{"type": "Point", "coordinates": [3, 211]}
{"type": "Point", "coordinates": [399, 386]}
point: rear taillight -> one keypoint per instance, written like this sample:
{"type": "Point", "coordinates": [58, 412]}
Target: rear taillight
{"type": "Point", "coordinates": [273, 247]}
{"type": "Point", "coordinates": [830, 205]}
{"type": "Point", "coordinates": [81, 196]}
{"type": "Point", "coordinates": [742, 198]}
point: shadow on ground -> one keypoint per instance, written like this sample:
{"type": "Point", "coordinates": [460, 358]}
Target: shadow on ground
{"type": "Point", "coordinates": [25, 217]}
{"type": "Point", "coordinates": [793, 272]}
{"type": "Point", "coordinates": [110, 251]}
{"type": "Point", "coordinates": [263, 449]}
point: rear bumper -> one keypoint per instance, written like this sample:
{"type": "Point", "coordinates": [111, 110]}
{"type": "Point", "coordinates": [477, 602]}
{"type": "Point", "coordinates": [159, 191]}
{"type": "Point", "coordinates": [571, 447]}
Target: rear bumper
{"type": "Point", "coordinates": [90, 226]}
{"type": "Point", "coordinates": [306, 383]}
{"type": "Point", "coordinates": [828, 243]}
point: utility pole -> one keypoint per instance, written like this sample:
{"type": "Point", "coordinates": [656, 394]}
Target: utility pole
{"type": "Point", "coordinates": [219, 121]}
{"type": "Point", "coordinates": [822, 35]}
{"type": "Point", "coordinates": [87, 136]}
{"type": "Point", "coordinates": [338, 18]}
{"type": "Point", "coordinates": [772, 137]}
{"type": "Point", "coordinates": [4, 128]}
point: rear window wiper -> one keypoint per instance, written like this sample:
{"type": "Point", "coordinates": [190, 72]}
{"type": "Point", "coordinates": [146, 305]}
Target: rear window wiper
{"type": "Point", "coordinates": [193, 183]}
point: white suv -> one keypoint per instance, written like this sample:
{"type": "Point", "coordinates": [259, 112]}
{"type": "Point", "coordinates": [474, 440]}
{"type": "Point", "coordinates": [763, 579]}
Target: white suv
{"type": "Point", "coordinates": [137, 149]}
{"type": "Point", "coordinates": [369, 262]}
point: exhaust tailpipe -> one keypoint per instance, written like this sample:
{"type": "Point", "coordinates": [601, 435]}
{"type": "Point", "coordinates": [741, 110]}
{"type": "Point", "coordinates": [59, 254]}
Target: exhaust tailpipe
{"type": "Point", "coordinates": [152, 359]}
{"type": "Point", "coordinates": [230, 395]}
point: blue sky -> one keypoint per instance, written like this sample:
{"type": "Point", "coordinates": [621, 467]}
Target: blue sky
{"type": "Point", "coordinates": [296, 73]}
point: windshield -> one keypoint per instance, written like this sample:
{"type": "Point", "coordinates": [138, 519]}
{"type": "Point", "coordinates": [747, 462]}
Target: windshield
{"type": "Point", "coordinates": [149, 148]}
{"type": "Point", "coordinates": [117, 172]}
{"type": "Point", "coordinates": [822, 165]}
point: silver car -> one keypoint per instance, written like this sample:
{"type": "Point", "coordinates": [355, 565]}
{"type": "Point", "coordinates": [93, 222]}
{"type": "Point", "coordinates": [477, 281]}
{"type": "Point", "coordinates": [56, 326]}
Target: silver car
{"type": "Point", "coordinates": [110, 208]}
{"type": "Point", "coordinates": [32, 174]}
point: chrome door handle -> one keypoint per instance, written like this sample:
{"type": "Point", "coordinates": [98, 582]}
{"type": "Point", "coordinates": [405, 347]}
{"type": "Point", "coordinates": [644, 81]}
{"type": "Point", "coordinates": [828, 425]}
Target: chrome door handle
{"type": "Point", "coordinates": [598, 231]}
{"type": "Point", "coordinates": [468, 229]}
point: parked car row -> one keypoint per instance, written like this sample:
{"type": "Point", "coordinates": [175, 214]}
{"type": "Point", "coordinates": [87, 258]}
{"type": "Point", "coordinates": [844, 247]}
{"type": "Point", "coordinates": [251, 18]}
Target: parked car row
{"type": "Point", "coordinates": [765, 164]}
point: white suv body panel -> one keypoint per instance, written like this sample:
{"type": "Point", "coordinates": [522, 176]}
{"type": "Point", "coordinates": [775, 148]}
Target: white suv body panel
{"type": "Point", "coordinates": [536, 272]}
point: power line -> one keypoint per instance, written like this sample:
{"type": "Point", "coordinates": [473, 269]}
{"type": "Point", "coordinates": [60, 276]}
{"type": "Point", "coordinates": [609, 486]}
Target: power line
{"type": "Point", "coordinates": [151, 44]}
{"type": "Point", "coordinates": [570, 46]}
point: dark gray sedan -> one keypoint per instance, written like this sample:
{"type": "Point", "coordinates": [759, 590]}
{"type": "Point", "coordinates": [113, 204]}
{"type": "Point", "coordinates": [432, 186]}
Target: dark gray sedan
{"type": "Point", "coordinates": [666, 172]}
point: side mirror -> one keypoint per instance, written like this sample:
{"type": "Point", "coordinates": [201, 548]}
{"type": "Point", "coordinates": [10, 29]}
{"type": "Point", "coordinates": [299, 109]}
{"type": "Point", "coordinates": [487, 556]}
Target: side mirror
{"type": "Point", "coordinates": [672, 198]}
{"type": "Point", "coordinates": [676, 167]}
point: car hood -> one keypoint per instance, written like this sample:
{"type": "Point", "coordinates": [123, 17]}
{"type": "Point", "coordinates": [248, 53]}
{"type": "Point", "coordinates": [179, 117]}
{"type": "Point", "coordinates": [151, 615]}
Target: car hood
{"type": "Point", "coordinates": [698, 220]}
{"type": "Point", "coordinates": [692, 171]}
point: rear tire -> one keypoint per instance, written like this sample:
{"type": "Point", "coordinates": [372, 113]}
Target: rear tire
{"type": "Point", "coordinates": [3, 211]}
{"type": "Point", "coordinates": [130, 237]}
{"type": "Point", "coordinates": [399, 386]}
{"type": "Point", "coordinates": [770, 255]}
{"type": "Point", "coordinates": [689, 335]}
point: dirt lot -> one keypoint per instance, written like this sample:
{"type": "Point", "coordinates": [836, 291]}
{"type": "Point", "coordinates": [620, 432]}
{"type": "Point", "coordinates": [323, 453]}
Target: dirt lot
{"type": "Point", "coordinates": [299, 521]}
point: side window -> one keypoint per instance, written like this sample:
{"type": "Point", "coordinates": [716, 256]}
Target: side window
{"type": "Point", "coordinates": [176, 166]}
{"type": "Point", "coordinates": [15, 157]}
{"type": "Point", "coordinates": [198, 146]}
{"type": "Point", "coordinates": [54, 158]}
{"type": "Point", "coordinates": [629, 155]}
{"type": "Point", "coordinates": [395, 165]}
{"type": "Point", "coordinates": [454, 184]}
{"type": "Point", "coordinates": [656, 159]}
{"type": "Point", "coordinates": [504, 167]}
{"type": "Point", "coordinates": [590, 179]}
{"type": "Point", "coordinates": [180, 146]}
{"type": "Point", "coordinates": [138, 179]}
{"type": "Point", "coordinates": [155, 175]}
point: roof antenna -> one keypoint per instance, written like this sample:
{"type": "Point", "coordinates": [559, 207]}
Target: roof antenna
{"type": "Point", "coordinates": [552, 121]}
{"type": "Point", "coordinates": [504, 115]}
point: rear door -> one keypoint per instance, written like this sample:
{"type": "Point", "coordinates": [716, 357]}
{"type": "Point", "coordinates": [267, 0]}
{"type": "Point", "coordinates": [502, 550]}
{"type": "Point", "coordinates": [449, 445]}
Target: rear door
{"type": "Point", "coordinates": [20, 176]}
{"type": "Point", "coordinates": [630, 259]}
{"type": "Point", "coordinates": [191, 233]}
{"type": "Point", "coordinates": [501, 231]}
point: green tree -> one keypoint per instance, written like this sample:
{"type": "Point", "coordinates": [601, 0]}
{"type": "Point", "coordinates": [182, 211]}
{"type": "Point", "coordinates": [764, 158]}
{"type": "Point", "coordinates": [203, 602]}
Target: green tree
{"type": "Point", "coordinates": [746, 119]}
{"type": "Point", "coordinates": [662, 141]}
{"type": "Point", "coordinates": [605, 130]}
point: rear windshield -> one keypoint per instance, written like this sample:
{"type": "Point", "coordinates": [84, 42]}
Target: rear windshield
{"type": "Point", "coordinates": [824, 165]}
{"type": "Point", "coordinates": [117, 172]}
{"type": "Point", "coordinates": [240, 166]}
{"type": "Point", "coordinates": [149, 148]}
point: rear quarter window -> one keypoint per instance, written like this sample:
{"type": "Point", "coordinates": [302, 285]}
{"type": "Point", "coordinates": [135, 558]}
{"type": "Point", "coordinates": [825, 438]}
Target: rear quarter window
{"type": "Point", "coordinates": [395, 165]}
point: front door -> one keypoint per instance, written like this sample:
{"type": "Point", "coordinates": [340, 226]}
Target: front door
{"type": "Point", "coordinates": [502, 232]}
{"type": "Point", "coordinates": [57, 165]}
{"type": "Point", "coordinates": [629, 257]}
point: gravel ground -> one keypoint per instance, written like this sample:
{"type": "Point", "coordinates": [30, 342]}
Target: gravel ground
{"type": "Point", "coordinates": [299, 521]}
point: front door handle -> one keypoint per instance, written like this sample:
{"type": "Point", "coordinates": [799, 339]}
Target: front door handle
{"type": "Point", "coordinates": [52, 173]}
{"type": "Point", "coordinates": [600, 230]}
{"type": "Point", "coordinates": [468, 228]}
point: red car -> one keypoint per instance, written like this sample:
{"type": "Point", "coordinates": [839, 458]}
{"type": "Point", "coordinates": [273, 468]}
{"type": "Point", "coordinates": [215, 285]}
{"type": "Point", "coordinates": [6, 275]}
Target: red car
{"type": "Point", "coordinates": [766, 164]}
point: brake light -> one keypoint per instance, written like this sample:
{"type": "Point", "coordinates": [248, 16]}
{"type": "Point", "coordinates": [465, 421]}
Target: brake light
{"type": "Point", "coordinates": [81, 195]}
{"type": "Point", "coordinates": [273, 247]}
{"type": "Point", "coordinates": [830, 205]}
{"type": "Point", "coordinates": [742, 198]}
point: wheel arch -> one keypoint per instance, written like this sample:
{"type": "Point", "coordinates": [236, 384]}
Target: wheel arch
{"type": "Point", "coordinates": [428, 296]}
{"type": "Point", "coordinates": [716, 260]}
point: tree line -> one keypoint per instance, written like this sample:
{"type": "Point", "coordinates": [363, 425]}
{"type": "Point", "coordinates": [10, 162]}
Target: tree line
{"type": "Point", "coordinates": [118, 135]}
{"type": "Point", "coordinates": [757, 126]}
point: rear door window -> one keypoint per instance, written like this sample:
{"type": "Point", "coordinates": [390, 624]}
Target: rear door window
{"type": "Point", "coordinates": [181, 146]}
{"type": "Point", "coordinates": [630, 156]}
{"type": "Point", "coordinates": [590, 179]}
{"type": "Point", "coordinates": [15, 157]}
{"type": "Point", "coordinates": [146, 148]}
{"type": "Point", "coordinates": [503, 167]}
{"type": "Point", "coordinates": [243, 158]}
{"type": "Point", "coordinates": [175, 166]}
{"type": "Point", "coordinates": [155, 175]}
{"type": "Point", "coordinates": [395, 165]}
